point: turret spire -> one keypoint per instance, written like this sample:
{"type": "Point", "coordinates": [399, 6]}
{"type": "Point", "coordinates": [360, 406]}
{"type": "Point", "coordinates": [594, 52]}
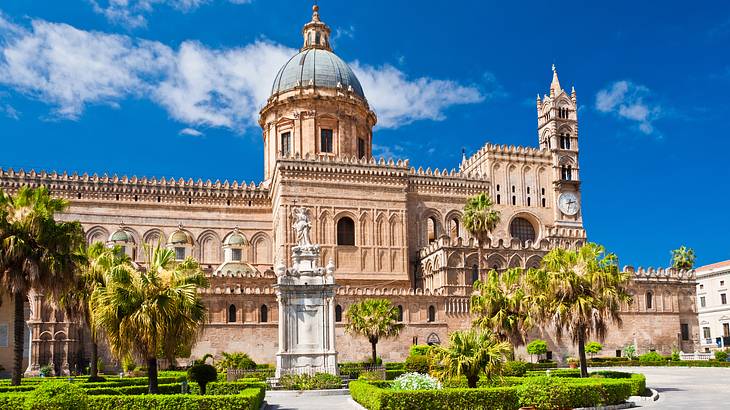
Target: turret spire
{"type": "Point", "coordinates": [316, 33]}
{"type": "Point", "coordinates": [555, 85]}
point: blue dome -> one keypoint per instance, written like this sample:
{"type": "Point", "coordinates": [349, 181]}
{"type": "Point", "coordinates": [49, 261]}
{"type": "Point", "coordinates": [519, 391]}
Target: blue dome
{"type": "Point", "coordinates": [318, 67]}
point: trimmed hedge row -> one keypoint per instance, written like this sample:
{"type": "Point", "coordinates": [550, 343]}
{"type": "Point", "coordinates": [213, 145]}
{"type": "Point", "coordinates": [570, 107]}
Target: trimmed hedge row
{"type": "Point", "coordinates": [663, 363]}
{"type": "Point", "coordinates": [637, 380]}
{"type": "Point", "coordinates": [377, 398]}
{"type": "Point", "coordinates": [507, 393]}
{"type": "Point", "coordinates": [171, 388]}
{"type": "Point", "coordinates": [249, 399]}
{"type": "Point", "coordinates": [227, 388]}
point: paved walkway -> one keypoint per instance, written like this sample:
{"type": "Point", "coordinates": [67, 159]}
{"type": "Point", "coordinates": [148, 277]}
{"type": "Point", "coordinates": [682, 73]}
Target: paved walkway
{"type": "Point", "coordinates": [682, 388]}
{"type": "Point", "coordinates": [291, 400]}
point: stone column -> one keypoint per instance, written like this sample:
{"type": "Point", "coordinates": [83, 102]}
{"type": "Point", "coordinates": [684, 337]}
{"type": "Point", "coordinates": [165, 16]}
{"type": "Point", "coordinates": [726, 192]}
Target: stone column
{"type": "Point", "coordinates": [331, 324]}
{"type": "Point", "coordinates": [281, 325]}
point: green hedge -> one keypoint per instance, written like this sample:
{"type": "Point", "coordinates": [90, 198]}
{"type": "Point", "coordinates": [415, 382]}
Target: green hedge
{"type": "Point", "coordinates": [538, 366]}
{"type": "Point", "coordinates": [172, 388]}
{"type": "Point", "coordinates": [505, 393]}
{"type": "Point", "coordinates": [12, 400]}
{"type": "Point", "coordinates": [224, 388]}
{"type": "Point", "coordinates": [392, 374]}
{"type": "Point", "coordinates": [377, 398]}
{"type": "Point", "coordinates": [637, 380]}
{"type": "Point", "coordinates": [663, 363]}
{"type": "Point", "coordinates": [249, 399]}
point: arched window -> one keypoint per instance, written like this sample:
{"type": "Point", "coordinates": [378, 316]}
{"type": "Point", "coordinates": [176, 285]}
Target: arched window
{"type": "Point", "coordinates": [264, 314]}
{"type": "Point", "coordinates": [649, 300]}
{"type": "Point", "coordinates": [400, 313]}
{"type": "Point", "coordinates": [566, 173]}
{"type": "Point", "coordinates": [431, 313]}
{"type": "Point", "coordinates": [431, 229]}
{"type": "Point", "coordinates": [454, 228]}
{"type": "Point", "coordinates": [474, 273]}
{"type": "Point", "coordinates": [232, 314]}
{"type": "Point", "coordinates": [346, 232]}
{"type": "Point", "coordinates": [522, 229]}
{"type": "Point", "coordinates": [338, 313]}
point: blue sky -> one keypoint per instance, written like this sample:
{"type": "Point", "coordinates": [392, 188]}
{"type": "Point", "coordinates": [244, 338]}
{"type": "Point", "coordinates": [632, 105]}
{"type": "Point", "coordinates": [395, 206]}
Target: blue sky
{"type": "Point", "coordinates": [172, 88]}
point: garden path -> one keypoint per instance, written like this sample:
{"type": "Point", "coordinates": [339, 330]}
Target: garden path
{"type": "Point", "coordinates": [309, 400]}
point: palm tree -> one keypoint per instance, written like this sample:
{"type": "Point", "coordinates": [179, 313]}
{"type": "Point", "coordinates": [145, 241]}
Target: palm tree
{"type": "Point", "coordinates": [480, 219]}
{"type": "Point", "coordinates": [153, 311]}
{"type": "Point", "coordinates": [375, 319]}
{"type": "Point", "coordinates": [500, 304]}
{"type": "Point", "coordinates": [471, 352]}
{"type": "Point", "coordinates": [683, 258]}
{"type": "Point", "coordinates": [36, 252]}
{"type": "Point", "coordinates": [584, 291]}
{"type": "Point", "coordinates": [100, 261]}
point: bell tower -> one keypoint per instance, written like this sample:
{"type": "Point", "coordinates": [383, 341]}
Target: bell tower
{"type": "Point", "coordinates": [557, 130]}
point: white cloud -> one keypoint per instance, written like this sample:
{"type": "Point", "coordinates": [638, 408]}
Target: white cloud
{"type": "Point", "coordinates": [132, 12]}
{"type": "Point", "coordinates": [385, 151]}
{"type": "Point", "coordinates": [191, 132]}
{"type": "Point", "coordinates": [399, 101]}
{"type": "Point", "coordinates": [627, 100]}
{"type": "Point", "coordinates": [71, 69]}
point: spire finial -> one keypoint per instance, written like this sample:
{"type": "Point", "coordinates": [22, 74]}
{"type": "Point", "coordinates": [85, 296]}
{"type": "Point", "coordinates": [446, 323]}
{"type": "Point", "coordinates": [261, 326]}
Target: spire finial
{"type": "Point", "coordinates": [555, 70]}
{"type": "Point", "coordinates": [555, 85]}
{"type": "Point", "coordinates": [315, 11]}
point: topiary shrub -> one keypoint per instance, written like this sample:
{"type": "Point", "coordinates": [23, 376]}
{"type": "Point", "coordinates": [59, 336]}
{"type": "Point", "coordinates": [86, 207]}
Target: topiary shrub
{"type": "Point", "coordinates": [415, 381]}
{"type": "Point", "coordinates": [721, 355]}
{"type": "Point", "coordinates": [202, 374]}
{"type": "Point", "coordinates": [57, 395]}
{"type": "Point", "coordinates": [418, 364]}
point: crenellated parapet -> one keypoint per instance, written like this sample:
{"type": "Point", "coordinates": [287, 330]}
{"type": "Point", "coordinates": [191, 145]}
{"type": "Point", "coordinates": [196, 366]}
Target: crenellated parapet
{"type": "Point", "coordinates": [660, 275]}
{"type": "Point", "coordinates": [238, 290]}
{"type": "Point", "coordinates": [510, 153]}
{"type": "Point", "coordinates": [445, 241]}
{"type": "Point", "coordinates": [138, 189]}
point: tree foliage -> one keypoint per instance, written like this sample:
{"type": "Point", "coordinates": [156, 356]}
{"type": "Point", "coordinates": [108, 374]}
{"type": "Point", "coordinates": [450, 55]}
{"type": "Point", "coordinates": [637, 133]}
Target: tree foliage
{"type": "Point", "coordinates": [375, 319]}
{"type": "Point", "coordinates": [469, 354]}
{"type": "Point", "coordinates": [593, 348]}
{"type": "Point", "coordinates": [152, 312]}
{"type": "Point", "coordinates": [683, 258]}
{"type": "Point", "coordinates": [584, 290]}
{"type": "Point", "coordinates": [480, 219]}
{"type": "Point", "coordinates": [36, 252]}
{"type": "Point", "coordinates": [537, 347]}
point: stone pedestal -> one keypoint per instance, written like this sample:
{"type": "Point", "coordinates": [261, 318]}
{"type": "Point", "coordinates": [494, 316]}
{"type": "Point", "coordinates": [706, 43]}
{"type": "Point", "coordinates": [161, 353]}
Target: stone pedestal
{"type": "Point", "coordinates": [306, 294]}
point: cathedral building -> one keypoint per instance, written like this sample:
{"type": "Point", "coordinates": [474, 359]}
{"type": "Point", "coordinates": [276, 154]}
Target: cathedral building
{"type": "Point", "coordinates": [392, 231]}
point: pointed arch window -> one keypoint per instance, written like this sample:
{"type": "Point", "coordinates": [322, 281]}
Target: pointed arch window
{"type": "Point", "coordinates": [431, 313]}
{"type": "Point", "coordinates": [264, 314]}
{"type": "Point", "coordinates": [649, 300]}
{"type": "Point", "coordinates": [346, 232]}
{"type": "Point", "coordinates": [474, 273]}
{"type": "Point", "coordinates": [232, 314]}
{"type": "Point", "coordinates": [338, 314]}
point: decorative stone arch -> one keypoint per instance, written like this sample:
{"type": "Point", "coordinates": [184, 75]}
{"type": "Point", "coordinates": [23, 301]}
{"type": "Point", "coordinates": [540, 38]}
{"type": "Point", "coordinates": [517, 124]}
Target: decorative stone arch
{"type": "Point", "coordinates": [668, 301]}
{"type": "Point", "coordinates": [567, 160]}
{"type": "Point", "coordinates": [325, 219]}
{"type": "Point", "coordinates": [533, 261]}
{"type": "Point", "coordinates": [153, 236]}
{"type": "Point", "coordinates": [455, 260]}
{"type": "Point", "coordinates": [261, 251]}
{"type": "Point", "coordinates": [496, 261]}
{"type": "Point", "coordinates": [649, 300]}
{"type": "Point", "coordinates": [366, 229]}
{"type": "Point", "coordinates": [97, 234]}
{"type": "Point", "coordinates": [453, 223]}
{"type": "Point", "coordinates": [380, 227]}
{"type": "Point", "coordinates": [60, 336]}
{"type": "Point", "coordinates": [209, 247]}
{"type": "Point", "coordinates": [431, 226]}
{"type": "Point", "coordinates": [395, 228]}
{"type": "Point", "coordinates": [530, 217]}
{"type": "Point", "coordinates": [515, 262]}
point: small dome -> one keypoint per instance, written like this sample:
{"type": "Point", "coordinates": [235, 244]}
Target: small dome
{"type": "Point", "coordinates": [180, 237]}
{"type": "Point", "coordinates": [319, 68]}
{"type": "Point", "coordinates": [121, 236]}
{"type": "Point", "coordinates": [236, 239]}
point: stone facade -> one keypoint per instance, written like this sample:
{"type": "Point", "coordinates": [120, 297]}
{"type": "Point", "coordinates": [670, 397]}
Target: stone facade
{"type": "Point", "coordinates": [392, 231]}
{"type": "Point", "coordinates": [713, 282]}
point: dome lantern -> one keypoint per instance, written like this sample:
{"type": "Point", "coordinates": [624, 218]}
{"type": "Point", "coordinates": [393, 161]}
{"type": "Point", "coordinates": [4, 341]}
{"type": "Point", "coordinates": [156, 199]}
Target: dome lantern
{"type": "Point", "coordinates": [316, 33]}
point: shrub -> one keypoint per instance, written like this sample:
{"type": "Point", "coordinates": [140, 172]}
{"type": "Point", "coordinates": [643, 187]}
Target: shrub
{"type": "Point", "coordinates": [392, 374]}
{"type": "Point", "coordinates": [415, 381]}
{"type": "Point", "coordinates": [249, 399]}
{"type": "Point", "coordinates": [630, 351]}
{"type": "Point", "coordinates": [395, 366]}
{"type": "Point", "coordinates": [418, 363]}
{"type": "Point", "coordinates": [372, 375]}
{"type": "Point", "coordinates": [593, 348]}
{"type": "Point", "coordinates": [420, 350]}
{"type": "Point", "coordinates": [517, 369]}
{"type": "Point", "coordinates": [651, 357]}
{"type": "Point", "coordinates": [543, 393]}
{"type": "Point", "coordinates": [537, 347]}
{"type": "Point", "coordinates": [235, 361]}
{"type": "Point", "coordinates": [128, 364]}
{"type": "Point", "coordinates": [228, 388]}
{"type": "Point", "coordinates": [721, 355]}
{"type": "Point", "coordinates": [307, 382]}
{"type": "Point", "coordinates": [46, 370]}
{"type": "Point", "coordinates": [675, 355]}
{"type": "Point", "coordinates": [56, 395]}
{"type": "Point", "coordinates": [202, 374]}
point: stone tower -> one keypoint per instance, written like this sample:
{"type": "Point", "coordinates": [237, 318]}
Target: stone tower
{"type": "Point", "coordinates": [317, 106]}
{"type": "Point", "coordinates": [557, 128]}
